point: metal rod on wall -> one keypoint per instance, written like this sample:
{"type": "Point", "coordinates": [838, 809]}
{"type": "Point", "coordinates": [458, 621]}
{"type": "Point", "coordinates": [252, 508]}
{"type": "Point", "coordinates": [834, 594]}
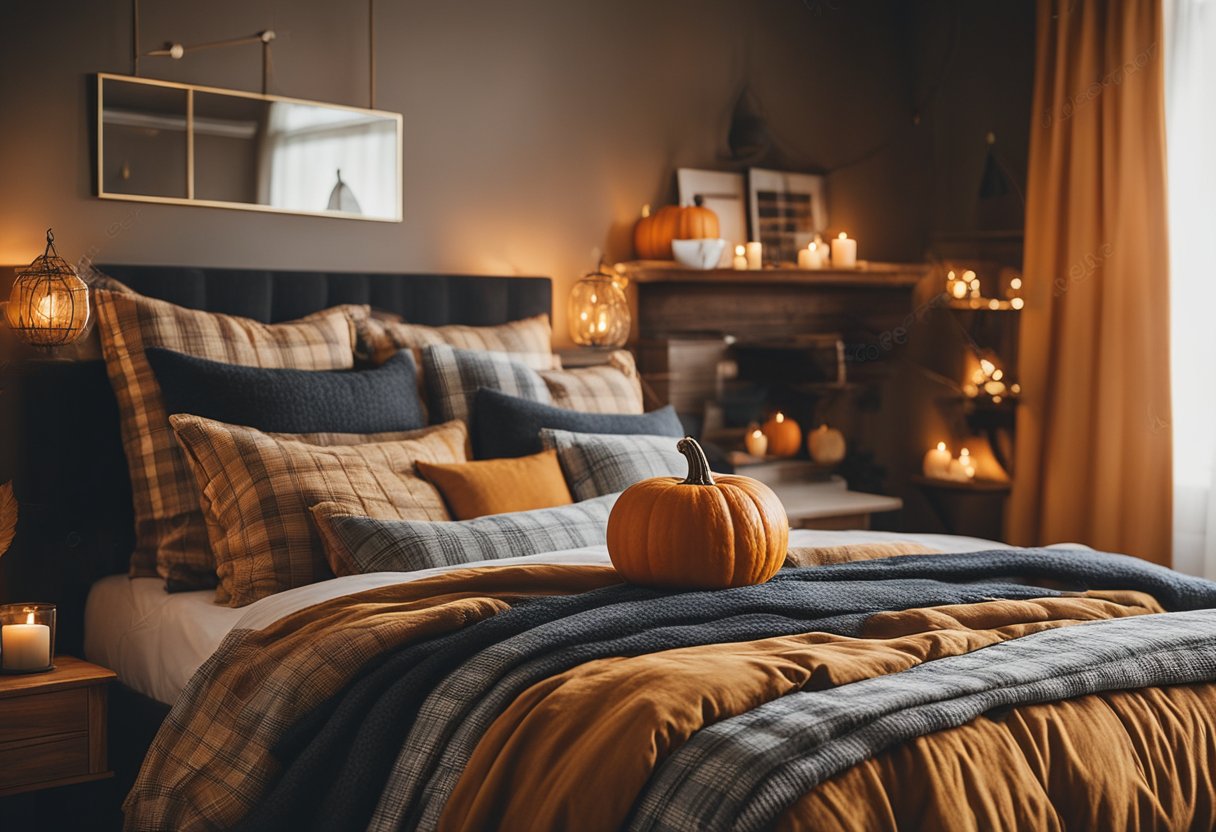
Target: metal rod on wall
{"type": "Point", "coordinates": [371, 54]}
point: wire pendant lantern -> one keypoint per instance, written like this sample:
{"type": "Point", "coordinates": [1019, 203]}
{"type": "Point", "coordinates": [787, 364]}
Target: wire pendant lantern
{"type": "Point", "coordinates": [49, 304]}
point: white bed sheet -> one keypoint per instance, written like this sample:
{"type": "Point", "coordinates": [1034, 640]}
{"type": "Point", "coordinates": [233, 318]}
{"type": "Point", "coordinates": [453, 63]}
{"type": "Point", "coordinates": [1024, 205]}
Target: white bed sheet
{"type": "Point", "coordinates": [155, 641]}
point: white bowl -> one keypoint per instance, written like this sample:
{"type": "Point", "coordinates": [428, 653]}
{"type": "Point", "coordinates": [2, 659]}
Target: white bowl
{"type": "Point", "coordinates": [698, 254]}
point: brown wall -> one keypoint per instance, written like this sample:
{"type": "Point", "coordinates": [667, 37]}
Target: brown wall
{"type": "Point", "coordinates": [534, 129]}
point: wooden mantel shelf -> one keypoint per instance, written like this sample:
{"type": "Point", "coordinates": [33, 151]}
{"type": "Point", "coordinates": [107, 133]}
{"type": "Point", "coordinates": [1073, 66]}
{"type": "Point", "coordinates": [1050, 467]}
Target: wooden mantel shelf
{"type": "Point", "coordinates": [869, 274]}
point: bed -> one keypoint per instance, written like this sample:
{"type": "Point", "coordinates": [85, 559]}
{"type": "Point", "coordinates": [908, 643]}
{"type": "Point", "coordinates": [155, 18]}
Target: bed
{"type": "Point", "coordinates": [879, 681]}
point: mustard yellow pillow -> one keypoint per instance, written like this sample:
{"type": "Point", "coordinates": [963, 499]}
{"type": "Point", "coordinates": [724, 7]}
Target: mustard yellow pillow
{"type": "Point", "coordinates": [498, 486]}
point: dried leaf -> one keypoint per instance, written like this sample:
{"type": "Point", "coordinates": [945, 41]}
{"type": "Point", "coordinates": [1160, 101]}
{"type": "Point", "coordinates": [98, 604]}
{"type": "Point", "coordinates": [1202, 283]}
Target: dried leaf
{"type": "Point", "coordinates": [8, 516]}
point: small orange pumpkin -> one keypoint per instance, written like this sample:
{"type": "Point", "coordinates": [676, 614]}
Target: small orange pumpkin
{"type": "Point", "coordinates": [699, 532]}
{"type": "Point", "coordinates": [653, 233]}
{"type": "Point", "coordinates": [697, 222]}
{"type": "Point", "coordinates": [784, 435]}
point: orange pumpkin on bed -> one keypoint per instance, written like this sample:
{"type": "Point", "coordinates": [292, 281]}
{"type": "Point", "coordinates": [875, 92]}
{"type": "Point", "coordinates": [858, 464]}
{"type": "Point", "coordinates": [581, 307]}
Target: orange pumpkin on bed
{"type": "Point", "coordinates": [701, 532]}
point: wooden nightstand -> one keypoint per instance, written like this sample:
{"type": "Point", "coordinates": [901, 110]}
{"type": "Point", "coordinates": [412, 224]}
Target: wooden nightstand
{"type": "Point", "coordinates": [53, 727]}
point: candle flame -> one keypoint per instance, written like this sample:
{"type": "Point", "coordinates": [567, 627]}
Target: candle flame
{"type": "Point", "coordinates": [757, 433]}
{"type": "Point", "coordinates": [843, 236]}
{"type": "Point", "coordinates": [813, 246]}
{"type": "Point", "coordinates": [29, 619]}
{"type": "Point", "coordinates": [964, 452]}
{"type": "Point", "coordinates": [941, 446]}
{"type": "Point", "coordinates": [780, 417]}
{"type": "Point", "coordinates": [740, 251]}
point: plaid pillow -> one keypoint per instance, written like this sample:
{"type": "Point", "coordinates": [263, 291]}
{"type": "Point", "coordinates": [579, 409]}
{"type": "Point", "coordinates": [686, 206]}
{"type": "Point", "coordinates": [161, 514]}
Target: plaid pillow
{"type": "Point", "coordinates": [257, 487]}
{"type": "Point", "coordinates": [602, 463]}
{"type": "Point", "coordinates": [453, 377]}
{"type": "Point", "coordinates": [170, 536]}
{"type": "Point", "coordinates": [528, 341]}
{"type": "Point", "coordinates": [357, 545]}
{"type": "Point", "coordinates": [613, 388]}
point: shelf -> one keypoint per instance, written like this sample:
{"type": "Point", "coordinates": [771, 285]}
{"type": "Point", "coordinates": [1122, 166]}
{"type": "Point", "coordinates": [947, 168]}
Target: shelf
{"type": "Point", "coordinates": [868, 274]}
{"type": "Point", "coordinates": [976, 486]}
{"type": "Point", "coordinates": [981, 305]}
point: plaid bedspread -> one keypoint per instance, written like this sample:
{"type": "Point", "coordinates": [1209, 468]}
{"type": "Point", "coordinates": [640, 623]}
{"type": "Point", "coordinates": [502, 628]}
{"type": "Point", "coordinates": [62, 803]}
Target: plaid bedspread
{"type": "Point", "coordinates": [744, 772]}
{"type": "Point", "coordinates": [432, 704]}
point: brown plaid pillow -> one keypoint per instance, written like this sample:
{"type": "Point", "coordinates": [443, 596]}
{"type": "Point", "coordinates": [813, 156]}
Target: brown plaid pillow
{"type": "Point", "coordinates": [612, 388]}
{"type": "Point", "coordinates": [528, 341]}
{"type": "Point", "coordinates": [170, 536]}
{"type": "Point", "coordinates": [257, 489]}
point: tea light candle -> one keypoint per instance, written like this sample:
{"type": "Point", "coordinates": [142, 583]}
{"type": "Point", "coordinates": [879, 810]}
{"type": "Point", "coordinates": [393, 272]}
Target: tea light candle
{"type": "Point", "coordinates": [937, 461]}
{"type": "Point", "coordinates": [740, 259]}
{"type": "Point", "coordinates": [755, 256]}
{"type": "Point", "coordinates": [25, 646]}
{"type": "Point", "coordinates": [811, 257]}
{"type": "Point", "coordinates": [757, 443]}
{"type": "Point", "coordinates": [964, 458]}
{"type": "Point", "coordinates": [844, 252]}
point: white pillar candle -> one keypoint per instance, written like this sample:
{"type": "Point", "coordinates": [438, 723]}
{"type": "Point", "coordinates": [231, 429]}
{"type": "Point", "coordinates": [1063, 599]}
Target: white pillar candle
{"type": "Point", "coordinates": [740, 259]}
{"type": "Point", "coordinates": [806, 258]}
{"type": "Point", "coordinates": [757, 443]}
{"type": "Point", "coordinates": [25, 646]}
{"type": "Point", "coordinates": [755, 256]}
{"type": "Point", "coordinates": [844, 252]}
{"type": "Point", "coordinates": [937, 461]}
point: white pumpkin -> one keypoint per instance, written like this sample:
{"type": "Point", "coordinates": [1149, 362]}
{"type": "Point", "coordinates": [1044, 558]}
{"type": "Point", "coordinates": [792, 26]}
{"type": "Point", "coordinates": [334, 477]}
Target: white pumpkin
{"type": "Point", "coordinates": [827, 445]}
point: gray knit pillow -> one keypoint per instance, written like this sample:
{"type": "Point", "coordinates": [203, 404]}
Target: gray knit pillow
{"type": "Point", "coordinates": [453, 376]}
{"type": "Point", "coordinates": [603, 463]}
{"type": "Point", "coordinates": [357, 545]}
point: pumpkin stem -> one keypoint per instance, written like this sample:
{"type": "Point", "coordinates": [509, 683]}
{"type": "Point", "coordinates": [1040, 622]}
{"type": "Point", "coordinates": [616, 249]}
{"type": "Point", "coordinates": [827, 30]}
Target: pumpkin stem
{"type": "Point", "coordinates": [698, 465]}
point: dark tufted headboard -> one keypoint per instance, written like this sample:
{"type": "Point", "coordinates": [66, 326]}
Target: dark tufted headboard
{"type": "Point", "coordinates": [64, 452]}
{"type": "Point", "coordinates": [272, 296]}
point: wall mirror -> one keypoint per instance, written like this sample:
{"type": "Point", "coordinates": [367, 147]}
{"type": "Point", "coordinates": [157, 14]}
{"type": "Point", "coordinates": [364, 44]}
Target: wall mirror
{"type": "Point", "coordinates": [159, 141]}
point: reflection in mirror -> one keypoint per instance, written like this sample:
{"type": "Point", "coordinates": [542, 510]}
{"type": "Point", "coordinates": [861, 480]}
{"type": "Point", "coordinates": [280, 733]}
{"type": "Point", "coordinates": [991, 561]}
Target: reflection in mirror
{"type": "Point", "coordinates": [259, 152]}
{"type": "Point", "coordinates": [144, 133]}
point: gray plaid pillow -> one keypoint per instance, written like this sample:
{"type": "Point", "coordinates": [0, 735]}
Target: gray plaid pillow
{"type": "Point", "coordinates": [603, 463]}
{"type": "Point", "coordinates": [453, 377]}
{"type": "Point", "coordinates": [358, 545]}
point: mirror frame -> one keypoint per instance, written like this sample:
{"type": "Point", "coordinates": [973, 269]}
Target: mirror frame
{"type": "Point", "coordinates": [190, 199]}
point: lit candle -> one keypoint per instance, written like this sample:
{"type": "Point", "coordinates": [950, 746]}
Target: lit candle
{"type": "Point", "coordinates": [806, 257]}
{"type": "Point", "coordinates": [964, 458]}
{"type": "Point", "coordinates": [757, 443]}
{"type": "Point", "coordinates": [25, 646]}
{"type": "Point", "coordinates": [844, 252]}
{"type": "Point", "coordinates": [937, 461]}
{"type": "Point", "coordinates": [740, 259]}
{"type": "Point", "coordinates": [755, 256]}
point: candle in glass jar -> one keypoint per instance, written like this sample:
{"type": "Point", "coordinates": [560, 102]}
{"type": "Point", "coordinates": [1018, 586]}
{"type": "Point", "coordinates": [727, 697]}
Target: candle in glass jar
{"type": "Point", "coordinates": [844, 252]}
{"type": "Point", "coordinates": [755, 256]}
{"type": "Point", "coordinates": [937, 462]}
{"type": "Point", "coordinates": [740, 259]}
{"type": "Point", "coordinates": [757, 443]}
{"type": "Point", "coordinates": [25, 646]}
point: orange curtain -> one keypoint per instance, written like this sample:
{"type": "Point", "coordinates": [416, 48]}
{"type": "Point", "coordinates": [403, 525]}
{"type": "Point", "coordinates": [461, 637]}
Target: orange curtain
{"type": "Point", "coordinates": [1093, 456]}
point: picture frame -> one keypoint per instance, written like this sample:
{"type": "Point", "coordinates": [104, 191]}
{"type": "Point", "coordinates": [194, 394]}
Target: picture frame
{"type": "Point", "coordinates": [724, 193]}
{"type": "Point", "coordinates": [785, 211]}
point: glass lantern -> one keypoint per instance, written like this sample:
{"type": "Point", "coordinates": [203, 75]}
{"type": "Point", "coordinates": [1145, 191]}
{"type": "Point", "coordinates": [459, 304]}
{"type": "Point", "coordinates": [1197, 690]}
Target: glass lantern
{"type": "Point", "coordinates": [49, 304]}
{"type": "Point", "coordinates": [27, 638]}
{"type": "Point", "coordinates": [599, 311]}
